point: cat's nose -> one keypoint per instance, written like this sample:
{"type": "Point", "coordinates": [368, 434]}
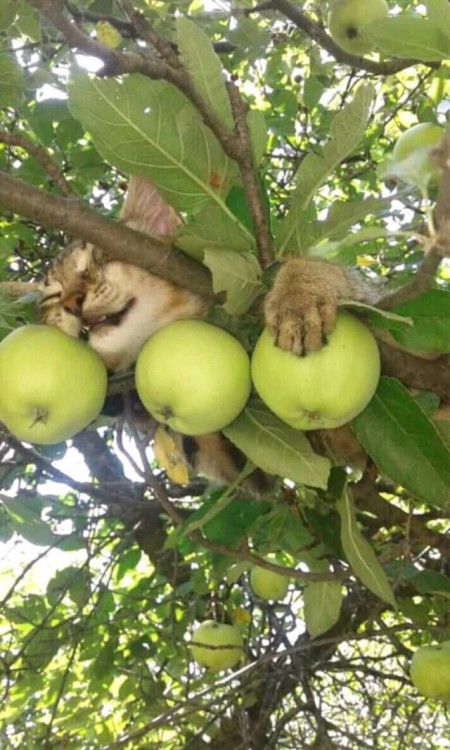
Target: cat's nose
{"type": "Point", "coordinates": [74, 304]}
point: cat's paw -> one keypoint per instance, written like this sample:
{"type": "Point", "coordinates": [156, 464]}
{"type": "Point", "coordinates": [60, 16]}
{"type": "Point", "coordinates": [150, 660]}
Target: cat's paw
{"type": "Point", "coordinates": [300, 309]}
{"type": "Point", "coordinates": [300, 325]}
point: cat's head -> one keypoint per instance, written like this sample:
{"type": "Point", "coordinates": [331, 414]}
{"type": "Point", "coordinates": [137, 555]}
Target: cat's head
{"type": "Point", "coordinates": [114, 305]}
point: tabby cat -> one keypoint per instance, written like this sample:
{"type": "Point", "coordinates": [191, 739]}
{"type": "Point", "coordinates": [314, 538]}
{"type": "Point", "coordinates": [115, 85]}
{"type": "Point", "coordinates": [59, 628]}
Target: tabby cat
{"type": "Point", "coordinates": [117, 306]}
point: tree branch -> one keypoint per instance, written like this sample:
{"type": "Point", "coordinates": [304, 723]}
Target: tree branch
{"type": "Point", "coordinates": [42, 157]}
{"type": "Point", "coordinates": [119, 241]}
{"type": "Point", "coordinates": [319, 35]}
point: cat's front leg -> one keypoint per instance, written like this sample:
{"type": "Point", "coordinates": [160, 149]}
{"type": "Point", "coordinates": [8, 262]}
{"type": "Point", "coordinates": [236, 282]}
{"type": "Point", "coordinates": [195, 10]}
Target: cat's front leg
{"type": "Point", "coordinates": [300, 309]}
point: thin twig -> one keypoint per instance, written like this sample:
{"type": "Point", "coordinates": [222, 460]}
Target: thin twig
{"type": "Point", "coordinates": [42, 157]}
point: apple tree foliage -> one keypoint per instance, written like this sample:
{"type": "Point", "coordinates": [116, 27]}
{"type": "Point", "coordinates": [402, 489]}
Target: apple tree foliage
{"type": "Point", "coordinates": [271, 141]}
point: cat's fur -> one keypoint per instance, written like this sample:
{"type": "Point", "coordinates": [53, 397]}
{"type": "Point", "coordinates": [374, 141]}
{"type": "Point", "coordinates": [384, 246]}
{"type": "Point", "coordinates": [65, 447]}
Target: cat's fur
{"type": "Point", "coordinates": [117, 306]}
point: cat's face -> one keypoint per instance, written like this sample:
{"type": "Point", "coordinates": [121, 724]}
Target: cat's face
{"type": "Point", "coordinates": [115, 306]}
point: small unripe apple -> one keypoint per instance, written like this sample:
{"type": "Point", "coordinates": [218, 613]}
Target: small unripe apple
{"type": "Point", "coordinates": [193, 376]}
{"type": "Point", "coordinates": [430, 671]}
{"type": "Point", "coordinates": [347, 21]}
{"type": "Point", "coordinates": [216, 646]}
{"type": "Point", "coordinates": [52, 385]}
{"type": "Point", "coordinates": [267, 584]}
{"type": "Point", "coordinates": [325, 389]}
{"type": "Point", "coordinates": [410, 159]}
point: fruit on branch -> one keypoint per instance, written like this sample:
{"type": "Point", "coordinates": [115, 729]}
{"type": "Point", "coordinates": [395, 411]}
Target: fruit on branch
{"type": "Point", "coordinates": [348, 19]}
{"type": "Point", "coordinates": [267, 584]}
{"type": "Point", "coordinates": [325, 389]}
{"type": "Point", "coordinates": [410, 160]}
{"type": "Point", "coordinates": [430, 671]}
{"type": "Point", "coordinates": [52, 385]}
{"type": "Point", "coordinates": [216, 646]}
{"type": "Point", "coordinates": [193, 376]}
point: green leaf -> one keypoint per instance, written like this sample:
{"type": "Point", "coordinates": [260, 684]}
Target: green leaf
{"type": "Point", "coordinates": [411, 36]}
{"type": "Point", "coordinates": [431, 581]}
{"type": "Point", "coordinates": [148, 127]}
{"type": "Point", "coordinates": [25, 517]}
{"type": "Point", "coordinates": [257, 126]}
{"type": "Point", "coordinates": [71, 581]}
{"type": "Point", "coordinates": [104, 663]}
{"type": "Point", "coordinates": [8, 11]}
{"type": "Point", "coordinates": [347, 129]}
{"type": "Point", "coordinates": [222, 518]}
{"type": "Point", "coordinates": [129, 560]}
{"type": "Point", "coordinates": [438, 12]}
{"type": "Point", "coordinates": [405, 444]}
{"type": "Point", "coordinates": [40, 648]}
{"type": "Point", "coordinates": [277, 448]}
{"type": "Point", "coordinates": [430, 314]}
{"type": "Point", "coordinates": [360, 554]}
{"type": "Point", "coordinates": [342, 216]}
{"type": "Point", "coordinates": [322, 604]}
{"type": "Point", "coordinates": [204, 67]}
{"type": "Point", "coordinates": [238, 275]}
{"type": "Point", "coordinates": [11, 82]}
{"type": "Point", "coordinates": [215, 229]}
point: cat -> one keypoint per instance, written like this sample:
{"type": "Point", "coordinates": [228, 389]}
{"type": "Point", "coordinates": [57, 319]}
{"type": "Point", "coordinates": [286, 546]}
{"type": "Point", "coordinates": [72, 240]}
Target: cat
{"type": "Point", "coordinates": [116, 306]}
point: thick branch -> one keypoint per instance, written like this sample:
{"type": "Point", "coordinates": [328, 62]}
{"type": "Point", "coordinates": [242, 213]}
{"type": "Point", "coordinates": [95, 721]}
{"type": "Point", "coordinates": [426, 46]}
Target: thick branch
{"type": "Point", "coordinates": [119, 241]}
{"type": "Point", "coordinates": [422, 281]}
{"type": "Point", "coordinates": [424, 374]}
{"type": "Point", "coordinates": [368, 499]}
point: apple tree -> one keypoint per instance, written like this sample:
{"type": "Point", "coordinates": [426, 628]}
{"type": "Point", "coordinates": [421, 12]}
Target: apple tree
{"type": "Point", "coordinates": [273, 138]}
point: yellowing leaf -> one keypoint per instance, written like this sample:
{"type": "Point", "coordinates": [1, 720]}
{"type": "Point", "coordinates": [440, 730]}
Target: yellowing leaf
{"type": "Point", "coordinates": [169, 457]}
{"type": "Point", "coordinates": [107, 34]}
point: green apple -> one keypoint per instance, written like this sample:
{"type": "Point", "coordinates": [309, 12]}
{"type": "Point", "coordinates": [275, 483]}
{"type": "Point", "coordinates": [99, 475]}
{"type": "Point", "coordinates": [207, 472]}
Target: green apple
{"type": "Point", "coordinates": [193, 376]}
{"type": "Point", "coordinates": [430, 671]}
{"type": "Point", "coordinates": [52, 385]}
{"type": "Point", "coordinates": [267, 584]}
{"type": "Point", "coordinates": [325, 389]}
{"type": "Point", "coordinates": [216, 646]}
{"type": "Point", "coordinates": [347, 21]}
{"type": "Point", "coordinates": [410, 160]}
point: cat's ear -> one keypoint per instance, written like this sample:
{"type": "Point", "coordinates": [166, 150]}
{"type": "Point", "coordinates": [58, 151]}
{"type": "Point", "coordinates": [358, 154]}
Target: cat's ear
{"type": "Point", "coordinates": [146, 210]}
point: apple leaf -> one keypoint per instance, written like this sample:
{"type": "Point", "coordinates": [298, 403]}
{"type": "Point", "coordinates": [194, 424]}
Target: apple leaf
{"type": "Point", "coordinates": [405, 444]}
{"type": "Point", "coordinates": [322, 604]}
{"type": "Point", "coordinates": [389, 317]}
{"type": "Point", "coordinates": [204, 68]}
{"type": "Point", "coordinates": [25, 518]}
{"type": "Point", "coordinates": [257, 128]}
{"type": "Point", "coordinates": [8, 12]}
{"type": "Point", "coordinates": [347, 129]}
{"type": "Point", "coordinates": [183, 158]}
{"type": "Point", "coordinates": [239, 275]}
{"type": "Point", "coordinates": [360, 554]}
{"type": "Point", "coordinates": [342, 216]}
{"type": "Point", "coordinates": [411, 36]}
{"type": "Point", "coordinates": [432, 581]}
{"type": "Point", "coordinates": [277, 448]}
{"type": "Point", "coordinates": [215, 229]}
{"type": "Point", "coordinates": [430, 315]}
{"type": "Point", "coordinates": [11, 82]}
{"type": "Point", "coordinates": [438, 12]}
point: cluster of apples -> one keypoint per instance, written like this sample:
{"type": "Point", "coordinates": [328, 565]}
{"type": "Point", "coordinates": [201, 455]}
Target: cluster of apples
{"type": "Point", "coordinates": [219, 646]}
{"type": "Point", "coordinates": [190, 375]}
{"type": "Point", "coordinates": [197, 378]}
